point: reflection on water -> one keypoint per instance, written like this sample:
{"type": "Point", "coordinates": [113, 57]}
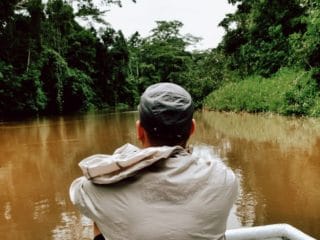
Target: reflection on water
{"type": "Point", "coordinates": [275, 158]}
{"type": "Point", "coordinates": [277, 161]}
{"type": "Point", "coordinates": [73, 226]}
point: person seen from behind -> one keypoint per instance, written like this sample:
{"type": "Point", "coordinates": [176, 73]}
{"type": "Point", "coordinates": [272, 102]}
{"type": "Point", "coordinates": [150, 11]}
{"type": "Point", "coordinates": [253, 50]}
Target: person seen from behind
{"type": "Point", "coordinates": [160, 191]}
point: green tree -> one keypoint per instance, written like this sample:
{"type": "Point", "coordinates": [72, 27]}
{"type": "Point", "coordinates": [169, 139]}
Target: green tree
{"type": "Point", "coordinates": [35, 9]}
{"type": "Point", "coordinates": [20, 94]}
{"type": "Point", "coordinates": [81, 51]}
{"type": "Point", "coordinates": [51, 64]}
{"type": "Point", "coordinates": [95, 9]}
{"type": "Point", "coordinates": [205, 73]}
{"type": "Point", "coordinates": [112, 61]}
{"type": "Point", "coordinates": [163, 57]}
{"type": "Point", "coordinates": [163, 54]}
{"type": "Point", "coordinates": [53, 76]}
{"type": "Point", "coordinates": [8, 89]}
{"type": "Point", "coordinates": [78, 94]}
{"type": "Point", "coordinates": [120, 55]}
{"type": "Point", "coordinates": [59, 25]}
{"type": "Point", "coordinates": [256, 39]}
{"type": "Point", "coordinates": [305, 45]}
{"type": "Point", "coordinates": [104, 65]}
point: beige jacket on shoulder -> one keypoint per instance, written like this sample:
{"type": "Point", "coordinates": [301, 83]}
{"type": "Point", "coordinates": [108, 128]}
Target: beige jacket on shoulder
{"type": "Point", "coordinates": [155, 193]}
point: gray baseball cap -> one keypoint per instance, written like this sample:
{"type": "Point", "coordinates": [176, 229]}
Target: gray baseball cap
{"type": "Point", "coordinates": [166, 111]}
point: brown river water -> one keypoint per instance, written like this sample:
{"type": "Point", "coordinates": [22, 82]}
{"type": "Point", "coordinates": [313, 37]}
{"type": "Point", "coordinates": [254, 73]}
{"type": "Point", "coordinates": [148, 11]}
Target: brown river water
{"type": "Point", "coordinates": [276, 159]}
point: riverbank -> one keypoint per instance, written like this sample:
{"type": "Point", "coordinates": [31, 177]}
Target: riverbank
{"type": "Point", "coordinates": [288, 92]}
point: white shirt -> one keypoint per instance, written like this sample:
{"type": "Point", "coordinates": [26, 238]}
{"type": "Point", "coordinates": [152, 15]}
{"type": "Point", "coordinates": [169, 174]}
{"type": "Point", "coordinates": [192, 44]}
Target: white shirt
{"type": "Point", "coordinates": [175, 198]}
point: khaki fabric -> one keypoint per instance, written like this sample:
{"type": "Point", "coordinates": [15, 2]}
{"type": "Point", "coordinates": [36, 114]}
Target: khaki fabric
{"type": "Point", "coordinates": [176, 197]}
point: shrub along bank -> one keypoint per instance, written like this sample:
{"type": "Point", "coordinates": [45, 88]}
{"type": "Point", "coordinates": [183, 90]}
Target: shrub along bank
{"type": "Point", "coordinates": [288, 92]}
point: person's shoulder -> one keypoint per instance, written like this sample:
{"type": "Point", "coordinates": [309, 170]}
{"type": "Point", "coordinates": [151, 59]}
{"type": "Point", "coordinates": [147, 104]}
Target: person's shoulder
{"type": "Point", "coordinates": [221, 173]}
{"type": "Point", "coordinates": [76, 188]}
{"type": "Point", "coordinates": [228, 178]}
{"type": "Point", "coordinates": [223, 179]}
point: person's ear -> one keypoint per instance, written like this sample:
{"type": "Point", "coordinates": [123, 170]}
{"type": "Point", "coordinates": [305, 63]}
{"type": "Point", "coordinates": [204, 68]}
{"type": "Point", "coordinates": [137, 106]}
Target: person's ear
{"type": "Point", "coordinates": [140, 131]}
{"type": "Point", "coordinates": [142, 135]}
{"type": "Point", "coordinates": [193, 126]}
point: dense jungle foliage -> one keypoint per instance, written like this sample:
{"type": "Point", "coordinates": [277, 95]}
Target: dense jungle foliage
{"type": "Point", "coordinates": [268, 60]}
{"type": "Point", "coordinates": [272, 58]}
